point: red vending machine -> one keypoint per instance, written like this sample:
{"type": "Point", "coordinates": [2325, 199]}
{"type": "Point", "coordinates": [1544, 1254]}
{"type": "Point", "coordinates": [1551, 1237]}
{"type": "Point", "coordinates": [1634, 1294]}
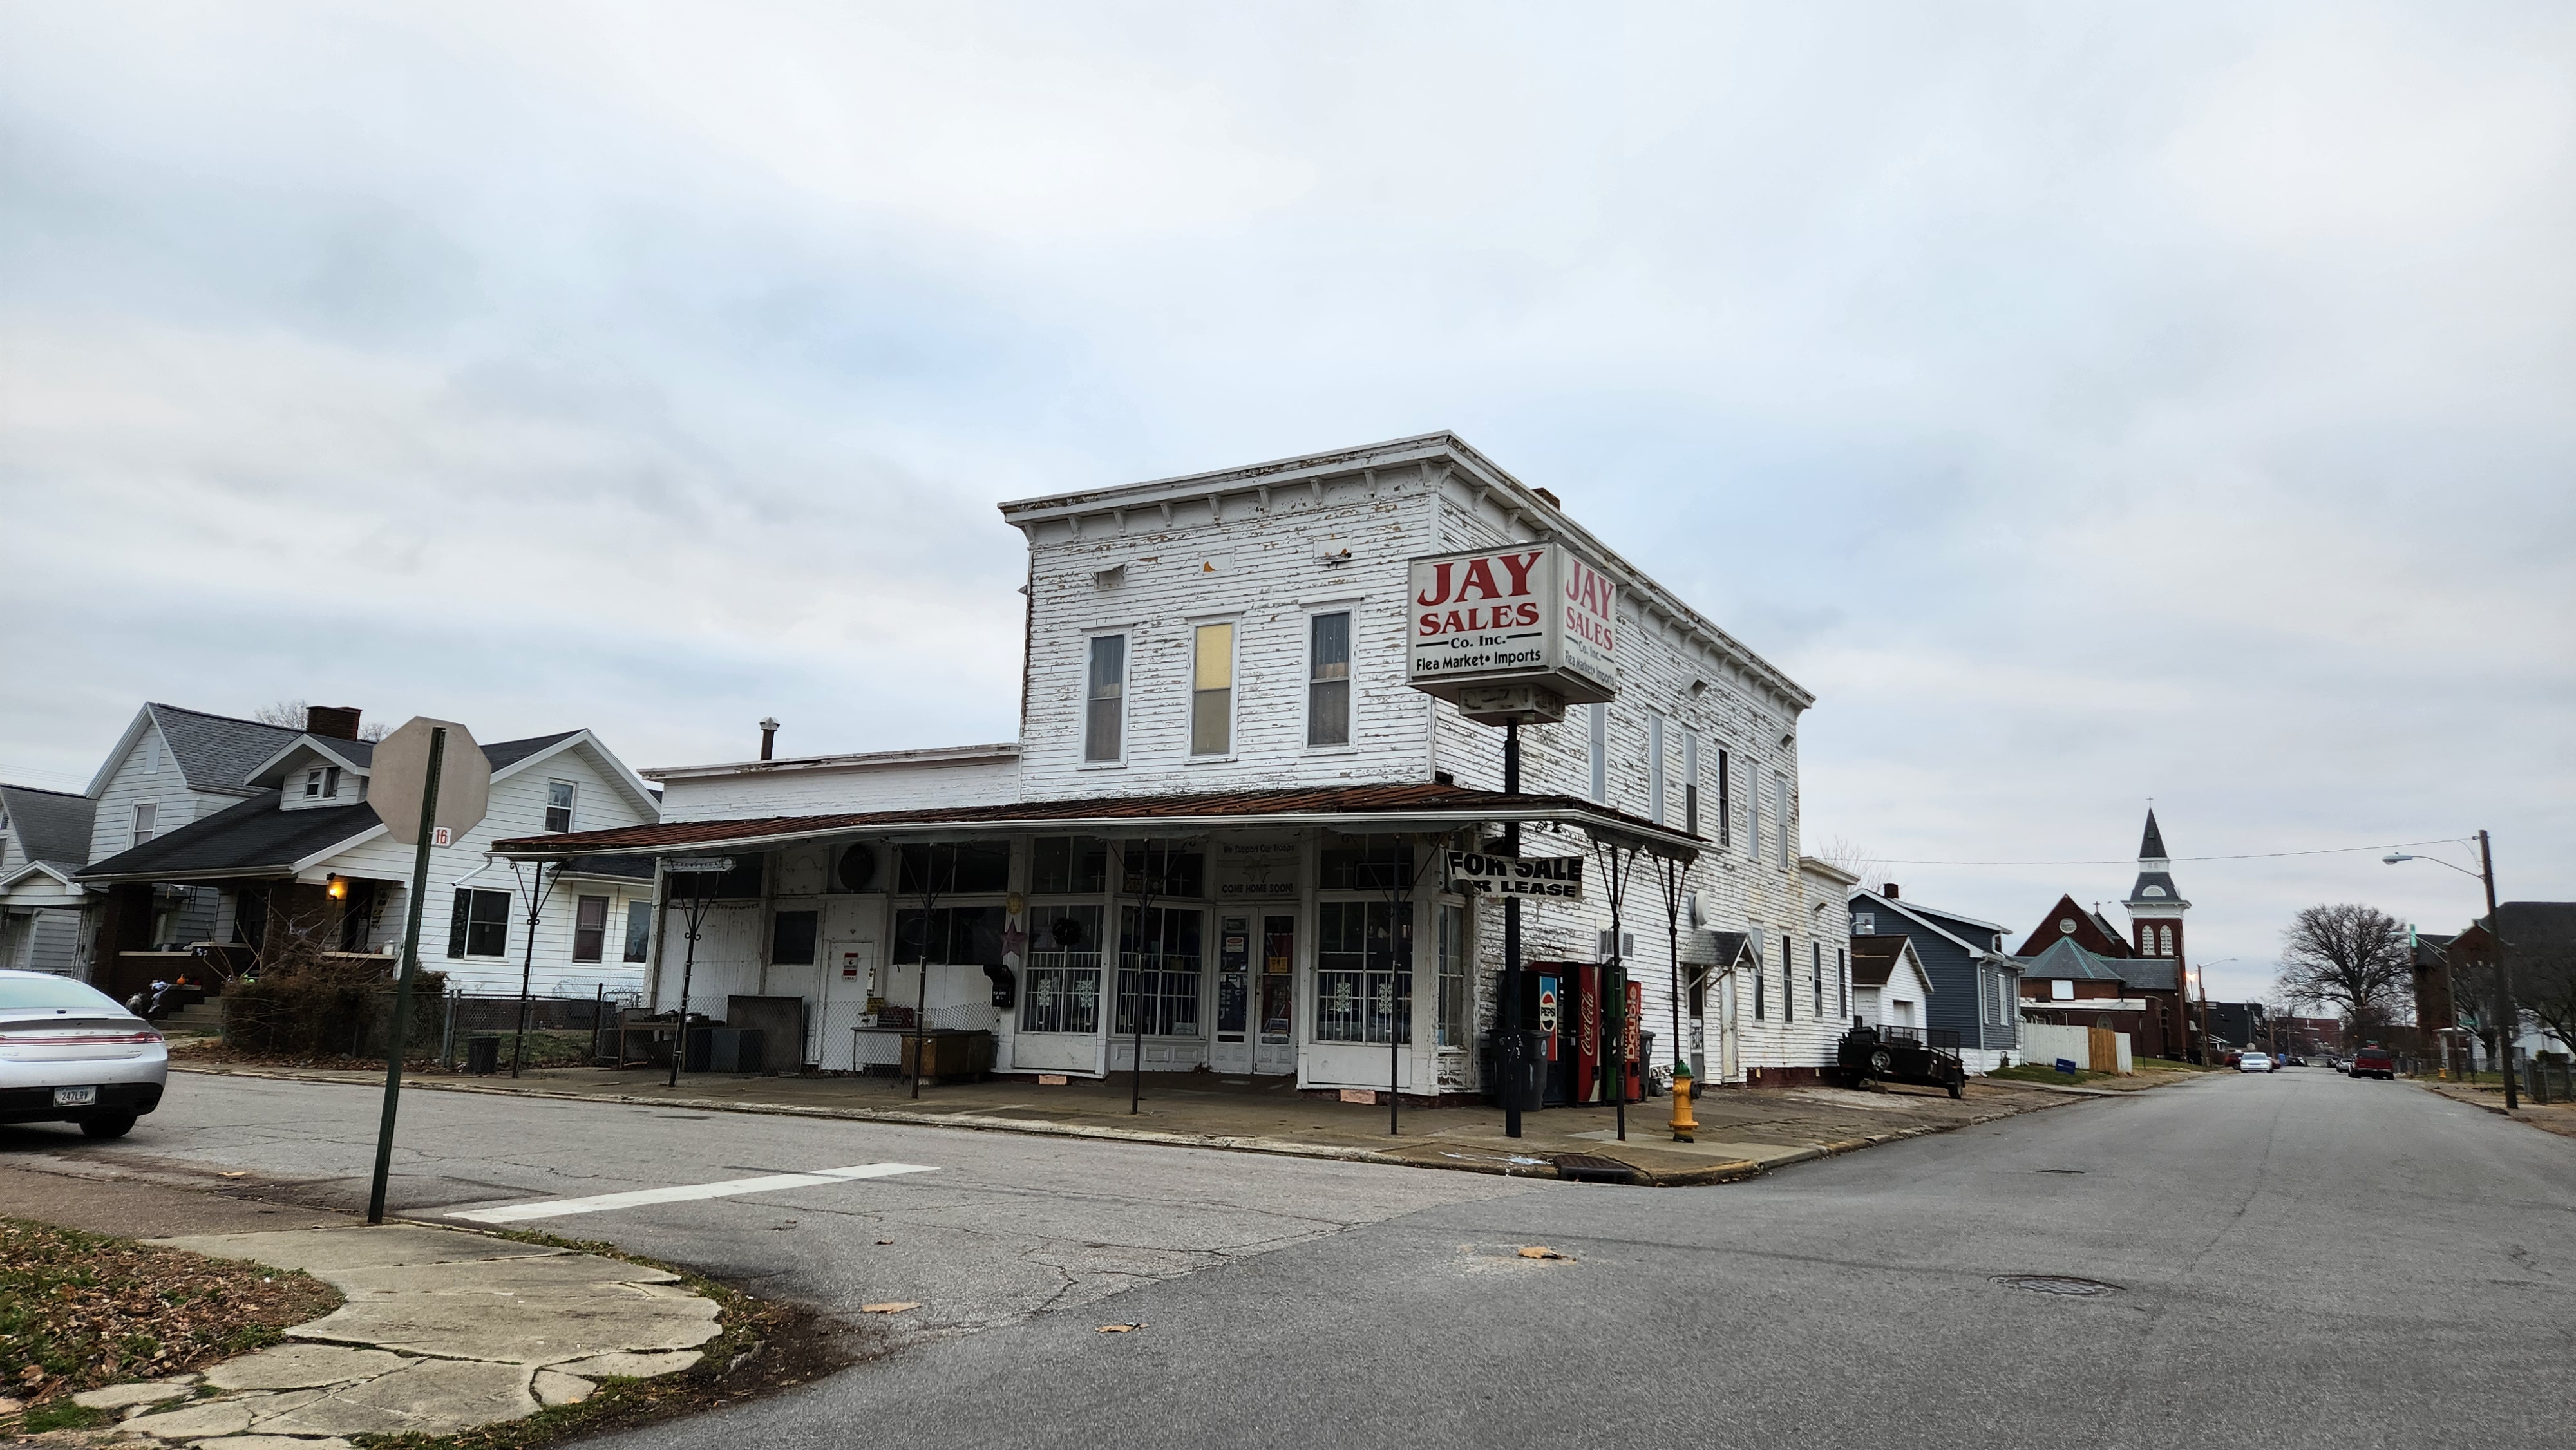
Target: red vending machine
{"type": "Point", "coordinates": [1584, 1044]}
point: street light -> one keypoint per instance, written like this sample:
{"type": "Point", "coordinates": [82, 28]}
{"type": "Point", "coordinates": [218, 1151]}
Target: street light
{"type": "Point", "coordinates": [2510, 1027]}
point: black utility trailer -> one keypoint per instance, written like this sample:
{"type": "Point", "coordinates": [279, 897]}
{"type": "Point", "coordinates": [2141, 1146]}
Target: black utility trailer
{"type": "Point", "coordinates": [1903, 1054]}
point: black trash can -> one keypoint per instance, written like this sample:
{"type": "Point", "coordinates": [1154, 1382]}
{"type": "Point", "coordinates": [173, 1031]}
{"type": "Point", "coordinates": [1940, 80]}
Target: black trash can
{"type": "Point", "coordinates": [1519, 1061]}
{"type": "Point", "coordinates": [736, 1049]}
{"type": "Point", "coordinates": [702, 1045]}
{"type": "Point", "coordinates": [483, 1055]}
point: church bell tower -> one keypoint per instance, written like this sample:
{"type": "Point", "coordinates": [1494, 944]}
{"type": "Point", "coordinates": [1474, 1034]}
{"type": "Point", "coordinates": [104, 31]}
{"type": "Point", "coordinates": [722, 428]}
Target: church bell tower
{"type": "Point", "coordinates": [2155, 904]}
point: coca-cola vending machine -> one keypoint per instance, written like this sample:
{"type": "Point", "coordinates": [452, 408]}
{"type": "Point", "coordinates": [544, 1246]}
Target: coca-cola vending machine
{"type": "Point", "coordinates": [1579, 1054]}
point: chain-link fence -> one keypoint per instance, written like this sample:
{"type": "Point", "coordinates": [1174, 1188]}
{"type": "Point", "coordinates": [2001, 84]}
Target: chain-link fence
{"type": "Point", "coordinates": [555, 1032]}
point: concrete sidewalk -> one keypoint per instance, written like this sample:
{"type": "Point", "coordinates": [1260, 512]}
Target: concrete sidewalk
{"type": "Point", "coordinates": [1743, 1131]}
{"type": "Point", "coordinates": [442, 1331]}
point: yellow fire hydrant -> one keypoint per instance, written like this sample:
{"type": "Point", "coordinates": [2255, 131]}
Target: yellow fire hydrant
{"type": "Point", "coordinates": [1684, 1125]}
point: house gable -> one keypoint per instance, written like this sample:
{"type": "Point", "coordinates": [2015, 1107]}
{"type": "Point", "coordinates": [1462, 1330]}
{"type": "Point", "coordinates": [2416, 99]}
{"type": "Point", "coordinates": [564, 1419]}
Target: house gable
{"type": "Point", "coordinates": [2066, 920]}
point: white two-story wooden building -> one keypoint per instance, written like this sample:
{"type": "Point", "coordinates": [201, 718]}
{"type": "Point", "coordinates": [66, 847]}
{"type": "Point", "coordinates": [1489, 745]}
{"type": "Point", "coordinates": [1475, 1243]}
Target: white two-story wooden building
{"type": "Point", "coordinates": [1217, 838]}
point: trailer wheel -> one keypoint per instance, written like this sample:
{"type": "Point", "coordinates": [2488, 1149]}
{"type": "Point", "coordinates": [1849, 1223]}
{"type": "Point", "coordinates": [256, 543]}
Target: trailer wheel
{"type": "Point", "coordinates": [1956, 1087]}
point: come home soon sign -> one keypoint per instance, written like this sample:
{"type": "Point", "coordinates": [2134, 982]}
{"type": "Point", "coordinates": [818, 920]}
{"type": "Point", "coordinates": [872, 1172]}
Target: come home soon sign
{"type": "Point", "coordinates": [1524, 614]}
{"type": "Point", "coordinates": [1551, 878]}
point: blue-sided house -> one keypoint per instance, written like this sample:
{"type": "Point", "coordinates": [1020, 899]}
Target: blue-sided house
{"type": "Point", "coordinates": [1976, 989]}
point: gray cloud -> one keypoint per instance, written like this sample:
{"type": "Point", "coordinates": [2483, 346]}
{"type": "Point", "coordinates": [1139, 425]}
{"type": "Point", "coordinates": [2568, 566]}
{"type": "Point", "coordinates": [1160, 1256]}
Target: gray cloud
{"type": "Point", "coordinates": [2088, 405]}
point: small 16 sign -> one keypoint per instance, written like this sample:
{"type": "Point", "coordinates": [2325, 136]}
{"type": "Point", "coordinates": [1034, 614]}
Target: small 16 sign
{"type": "Point", "coordinates": [1534, 613]}
{"type": "Point", "coordinates": [1551, 878]}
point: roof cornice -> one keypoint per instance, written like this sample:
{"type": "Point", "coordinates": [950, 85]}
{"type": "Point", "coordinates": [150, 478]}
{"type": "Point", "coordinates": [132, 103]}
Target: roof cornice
{"type": "Point", "coordinates": [945, 755]}
{"type": "Point", "coordinates": [1443, 460]}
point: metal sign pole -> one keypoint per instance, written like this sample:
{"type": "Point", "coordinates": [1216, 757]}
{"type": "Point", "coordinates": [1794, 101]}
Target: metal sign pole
{"type": "Point", "coordinates": [402, 987]}
{"type": "Point", "coordinates": [1511, 1004]}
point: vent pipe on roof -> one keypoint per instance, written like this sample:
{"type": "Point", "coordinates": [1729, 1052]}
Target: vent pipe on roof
{"type": "Point", "coordinates": [1888, 891]}
{"type": "Point", "coordinates": [332, 722]}
{"type": "Point", "coordinates": [768, 736]}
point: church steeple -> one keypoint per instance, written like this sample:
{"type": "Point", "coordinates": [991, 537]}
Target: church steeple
{"type": "Point", "coordinates": [2155, 904]}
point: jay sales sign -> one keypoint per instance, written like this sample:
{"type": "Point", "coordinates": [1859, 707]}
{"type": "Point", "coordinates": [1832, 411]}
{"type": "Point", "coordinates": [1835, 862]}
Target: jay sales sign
{"type": "Point", "coordinates": [1534, 614]}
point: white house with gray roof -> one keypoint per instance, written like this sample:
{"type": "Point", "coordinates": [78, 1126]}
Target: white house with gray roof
{"type": "Point", "coordinates": [44, 839]}
{"type": "Point", "coordinates": [217, 833]}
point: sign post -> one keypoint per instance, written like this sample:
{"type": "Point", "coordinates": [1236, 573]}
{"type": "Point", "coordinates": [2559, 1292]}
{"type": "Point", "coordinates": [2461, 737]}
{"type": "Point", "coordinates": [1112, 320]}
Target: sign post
{"type": "Point", "coordinates": [700, 870]}
{"type": "Point", "coordinates": [1511, 635]}
{"type": "Point", "coordinates": [454, 788]}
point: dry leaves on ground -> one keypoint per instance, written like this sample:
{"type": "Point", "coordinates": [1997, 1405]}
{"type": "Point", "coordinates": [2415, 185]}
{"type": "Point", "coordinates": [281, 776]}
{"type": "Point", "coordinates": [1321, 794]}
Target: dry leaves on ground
{"type": "Point", "coordinates": [80, 1310]}
{"type": "Point", "coordinates": [1541, 1251]}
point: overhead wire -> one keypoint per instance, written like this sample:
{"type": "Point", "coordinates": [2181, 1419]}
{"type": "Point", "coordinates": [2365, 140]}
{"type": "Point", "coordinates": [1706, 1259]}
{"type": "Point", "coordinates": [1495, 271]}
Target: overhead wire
{"type": "Point", "coordinates": [2132, 860]}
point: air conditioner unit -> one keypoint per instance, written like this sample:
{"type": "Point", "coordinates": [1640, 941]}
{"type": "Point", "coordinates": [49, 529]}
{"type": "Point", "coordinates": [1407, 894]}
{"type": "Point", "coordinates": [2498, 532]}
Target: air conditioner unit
{"type": "Point", "coordinates": [1627, 945]}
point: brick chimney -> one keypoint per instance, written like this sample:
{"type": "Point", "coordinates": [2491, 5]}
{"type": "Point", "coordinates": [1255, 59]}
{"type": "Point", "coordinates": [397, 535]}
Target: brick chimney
{"type": "Point", "coordinates": [1888, 891]}
{"type": "Point", "coordinates": [335, 722]}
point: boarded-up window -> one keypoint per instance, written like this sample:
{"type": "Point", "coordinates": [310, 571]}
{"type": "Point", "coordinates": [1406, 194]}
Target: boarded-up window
{"type": "Point", "coordinates": [791, 938]}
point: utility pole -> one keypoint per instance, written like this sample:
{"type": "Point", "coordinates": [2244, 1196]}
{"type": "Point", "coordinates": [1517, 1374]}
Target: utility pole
{"type": "Point", "coordinates": [2510, 1024]}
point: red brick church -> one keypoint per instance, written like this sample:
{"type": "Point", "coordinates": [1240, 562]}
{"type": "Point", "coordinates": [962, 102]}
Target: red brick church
{"type": "Point", "coordinates": [2078, 970]}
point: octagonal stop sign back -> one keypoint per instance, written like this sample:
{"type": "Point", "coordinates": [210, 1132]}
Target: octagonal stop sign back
{"type": "Point", "coordinates": [400, 769]}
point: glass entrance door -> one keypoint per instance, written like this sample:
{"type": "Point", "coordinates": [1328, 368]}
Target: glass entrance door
{"type": "Point", "coordinates": [1275, 1050]}
{"type": "Point", "coordinates": [1232, 1051]}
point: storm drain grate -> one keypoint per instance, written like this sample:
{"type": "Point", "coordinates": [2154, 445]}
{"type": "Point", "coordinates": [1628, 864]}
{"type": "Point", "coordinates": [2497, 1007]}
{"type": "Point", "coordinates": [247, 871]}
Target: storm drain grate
{"type": "Point", "coordinates": [2058, 1284]}
{"type": "Point", "coordinates": [1590, 1168]}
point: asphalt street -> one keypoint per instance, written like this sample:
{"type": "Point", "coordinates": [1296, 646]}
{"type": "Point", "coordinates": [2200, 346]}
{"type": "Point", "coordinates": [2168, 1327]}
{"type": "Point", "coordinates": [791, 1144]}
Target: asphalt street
{"type": "Point", "coordinates": [2299, 1259]}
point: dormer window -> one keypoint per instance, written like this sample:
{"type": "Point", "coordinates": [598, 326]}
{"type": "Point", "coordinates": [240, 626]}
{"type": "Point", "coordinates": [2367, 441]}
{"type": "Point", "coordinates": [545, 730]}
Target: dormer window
{"type": "Point", "coordinates": [322, 782]}
{"type": "Point", "coordinates": [313, 781]}
{"type": "Point", "coordinates": [559, 796]}
{"type": "Point", "coordinates": [2153, 891]}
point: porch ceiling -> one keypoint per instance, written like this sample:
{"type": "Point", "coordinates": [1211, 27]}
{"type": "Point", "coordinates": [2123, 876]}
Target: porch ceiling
{"type": "Point", "coordinates": [1358, 809]}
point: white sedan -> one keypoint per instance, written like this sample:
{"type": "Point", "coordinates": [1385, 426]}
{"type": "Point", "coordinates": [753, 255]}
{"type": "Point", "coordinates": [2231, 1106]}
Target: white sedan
{"type": "Point", "coordinates": [69, 1054]}
{"type": "Point", "coordinates": [2256, 1062]}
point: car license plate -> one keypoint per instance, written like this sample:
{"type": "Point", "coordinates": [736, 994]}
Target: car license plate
{"type": "Point", "coordinates": [75, 1097]}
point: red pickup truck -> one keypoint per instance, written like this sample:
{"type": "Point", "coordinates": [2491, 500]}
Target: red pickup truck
{"type": "Point", "coordinates": [2375, 1062]}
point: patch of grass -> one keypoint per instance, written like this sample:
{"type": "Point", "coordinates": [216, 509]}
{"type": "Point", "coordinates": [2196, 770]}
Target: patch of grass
{"type": "Point", "coordinates": [2031, 1072]}
{"type": "Point", "coordinates": [59, 1415]}
{"type": "Point", "coordinates": [2167, 1064]}
{"type": "Point", "coordinates": [762, 1347]}
{"type": "Point", "coordinates": [81, 1310]}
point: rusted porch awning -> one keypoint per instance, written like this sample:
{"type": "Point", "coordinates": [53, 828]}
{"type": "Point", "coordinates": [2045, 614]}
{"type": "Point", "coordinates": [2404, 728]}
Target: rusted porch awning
{"type": "Point", "coordinates": [1355, 810]}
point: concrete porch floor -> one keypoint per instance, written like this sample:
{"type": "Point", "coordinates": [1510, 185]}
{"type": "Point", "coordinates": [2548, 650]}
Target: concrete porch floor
{"type": "Point", "coordinates": [1742, 1131]}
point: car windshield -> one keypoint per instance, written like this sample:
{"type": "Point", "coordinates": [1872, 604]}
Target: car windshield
{"type": "Point", "coordinates": [39, 993]}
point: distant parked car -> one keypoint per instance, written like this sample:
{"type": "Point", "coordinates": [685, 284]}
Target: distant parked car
{"type": "Point", "coordinates": [2375, 1062]}
{"type": "Point", "coordinates": [2294, 1061]}
{"type": "Point", "coordinates": [2255, 1062]}
{"type": "Point", "coordinates": [70, 1054]}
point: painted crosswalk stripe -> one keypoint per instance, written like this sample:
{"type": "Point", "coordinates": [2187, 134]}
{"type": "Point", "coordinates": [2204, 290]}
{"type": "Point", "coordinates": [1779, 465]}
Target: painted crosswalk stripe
{"type": "Point", "coordinates": [682, 1193]}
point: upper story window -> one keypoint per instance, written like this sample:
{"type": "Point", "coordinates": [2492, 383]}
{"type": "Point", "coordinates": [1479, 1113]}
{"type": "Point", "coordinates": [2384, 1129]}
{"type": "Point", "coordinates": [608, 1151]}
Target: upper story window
{"type": "Point", "coordinates": [1104, 713]}
{"type": "Point", "coordinates": [1212, 690]}
{"type": "Point", "coordinates": [313, 782]}
{"type": "Point", "coordinates": [559, 798]}
{"type": "Point", "coordinates": [1753, 819]}
{"type": "Point", "coordinates": [1328, 679]}
{"type": "Point", "coordinates": [1690, 783]}
{"type": "Point", "coordinates": [1069, 866]}
{"type": "Point", "coordinates": [322, 782]}
{"type": "Point", "coordinates": [152, 756]}
{"type": "Point", "coordinates": [145, 813]}
{"type": "Point", "coordinates": [1725, 802]}
{"type": "Point", "coordinates": [1600, 746]}
{"type": "Point", "coordinates": [1780, 816]}
{"type": "Point", "coordinates": [1655, 768]}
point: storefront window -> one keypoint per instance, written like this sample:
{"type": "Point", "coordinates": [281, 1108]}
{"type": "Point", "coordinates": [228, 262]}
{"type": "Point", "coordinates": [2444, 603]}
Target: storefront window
{"type": "Point", "coordinates": [1363, 973]}
{"type": "Point", "coordinates": [1367, 863]}
{"type": "Point", "coordinates": [976, 866]}
{"type": "Point", "coordinates": [1158, 971]}
{"type": "Point", "coordinates": [1069, 866]}
{"type": "Point", "coordinates": [1060, 991]}
{"type": "Point", "coordinates": [1149, 869]}
{"type": "Point", "coordinates": [1454, 952]}
{"type": "Point", "coordinates": [949, 936]}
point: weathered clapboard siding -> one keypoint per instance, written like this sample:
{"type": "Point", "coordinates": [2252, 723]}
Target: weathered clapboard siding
{"type": "Point", "coordinates": [797, 788]}
{"type": "Point", "coordinates": [1258, 568]}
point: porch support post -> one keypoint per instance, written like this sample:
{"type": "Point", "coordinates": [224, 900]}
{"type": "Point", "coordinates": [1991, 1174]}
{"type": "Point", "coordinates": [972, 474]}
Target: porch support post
{"type": "Point", "coordinates": [1509, 1013]}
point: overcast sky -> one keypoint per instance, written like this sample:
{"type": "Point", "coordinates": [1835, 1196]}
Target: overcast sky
{"type": "Point", "coordinates": [2086, 403]}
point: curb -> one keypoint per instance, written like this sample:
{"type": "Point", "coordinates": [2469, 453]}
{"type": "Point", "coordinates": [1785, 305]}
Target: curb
{"type": "Point", "coordinates": [1735, 1171]}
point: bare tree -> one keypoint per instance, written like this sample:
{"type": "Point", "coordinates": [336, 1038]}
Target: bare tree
{"type": "Point", "coordinates": [1859, 860]}
{"type": "Point", "coordinates": [2542, 945]}
{"type": "Point", "coordinates": [2350, 957]}
{"type": "Point", "coordinates": [290, 714]}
